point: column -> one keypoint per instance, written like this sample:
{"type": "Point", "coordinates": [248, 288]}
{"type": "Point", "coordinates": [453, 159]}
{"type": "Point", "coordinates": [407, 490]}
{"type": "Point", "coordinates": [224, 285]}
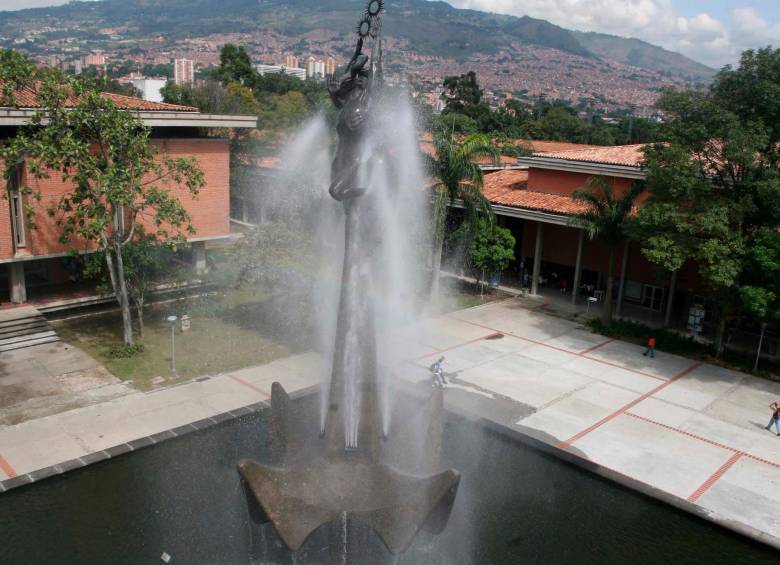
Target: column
{"type": "Point", "coordinates": [623, 270]}
{"type": "Point", "coordinates": [578, 268]}
{"type": "Point", "coordinates": [670, 301]}
{"type": "Point", "coordinates": [199, 257]}
{"type": "Point", "coordinates": [537, 258]}
{"type": "Point", "coordinates": [17, 283]}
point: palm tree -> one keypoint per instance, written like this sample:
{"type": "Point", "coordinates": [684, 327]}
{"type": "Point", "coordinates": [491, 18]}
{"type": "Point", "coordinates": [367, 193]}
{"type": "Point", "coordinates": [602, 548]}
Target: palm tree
{"type": "Point", "coordinates": [605, 219]}
{"type": "Point", "coordinates": [459, 178]}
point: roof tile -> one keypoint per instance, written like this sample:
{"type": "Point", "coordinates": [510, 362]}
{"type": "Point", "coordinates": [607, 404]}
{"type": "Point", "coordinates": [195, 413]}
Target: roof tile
{"type": "Point", "coordinates": [510, 188]}
{"type": "Point", "coordinates": [626, 155]}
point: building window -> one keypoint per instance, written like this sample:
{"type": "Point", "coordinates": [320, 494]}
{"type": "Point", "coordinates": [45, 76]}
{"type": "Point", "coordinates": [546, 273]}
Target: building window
{"type": "Point", "coordinates": [653, 298]}
{"type": "Point", "coordinates": [17, 209]}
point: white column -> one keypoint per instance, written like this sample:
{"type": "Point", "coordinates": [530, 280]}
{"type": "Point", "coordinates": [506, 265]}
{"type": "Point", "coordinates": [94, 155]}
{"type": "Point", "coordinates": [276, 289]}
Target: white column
{"type": "Point", "coordinates": [17, 283]}
{"type": "Point", "coordinates": [670, 301]}
{"type": "Point", "coordinates": [199, 257]}
{"type": "Point", "coordinates": [578, 268]}
{"type": "Point", "coordinates": [623, 270]}
{"type": "Point", "coordinates": [537, 258]}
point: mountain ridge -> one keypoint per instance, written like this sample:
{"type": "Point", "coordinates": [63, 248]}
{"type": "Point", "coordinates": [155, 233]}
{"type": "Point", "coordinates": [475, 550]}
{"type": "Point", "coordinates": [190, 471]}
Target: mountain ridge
{"type": "Point", "coordinates": [459, 32]}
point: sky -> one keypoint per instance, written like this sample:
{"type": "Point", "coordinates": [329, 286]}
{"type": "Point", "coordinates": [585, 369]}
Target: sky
{"type": "Point", "coordinates": [713, 32]}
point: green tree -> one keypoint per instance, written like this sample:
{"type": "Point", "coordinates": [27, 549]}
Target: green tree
{"type": "Point", "coordinates": [606, 219]}
{"type": "Point", "coordinates": [16, 72]}
{"type": "Point", "coordinates": [459, 179]}
{"type": "Point", "coordinates": [716, 188]}
{"type": "Point", "coordinates": [147, 263]}
{"type": "Point", "coordinates": [235, 65]}
{"type": "Point", "coordinates": [492, 248]}
{"type": "Point", "coordinates": [462, 93]}
{"type": "Point", "coordinates": [119, 179]}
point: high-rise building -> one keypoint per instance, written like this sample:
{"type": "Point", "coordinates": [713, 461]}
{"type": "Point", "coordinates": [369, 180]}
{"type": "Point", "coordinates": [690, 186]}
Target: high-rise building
{"type": "Point", "coordinates": [183, 71]}
{"type": "Point", "coordinates": [290, 61]}
{"type": "Point", "coordinates": [330, 66]}
{"type": "Point", "coordinates": [96, 60]}
{"type": "Point", "coordinates": [150, 88]}
{"type": "Point", "coordinates": [278, 69]}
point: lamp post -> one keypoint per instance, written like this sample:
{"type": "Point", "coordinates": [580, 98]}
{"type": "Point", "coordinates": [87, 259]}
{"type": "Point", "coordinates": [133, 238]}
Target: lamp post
{"type": "Point", "coordinates": [172, 321]}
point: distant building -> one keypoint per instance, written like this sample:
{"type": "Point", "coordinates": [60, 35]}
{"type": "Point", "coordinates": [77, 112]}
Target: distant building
{"type": "Point", "coordinates": [291, 61]}
{"type": "Point", "coordinates": [330, 66]}
{"type": "Point", "coordinates": [95, 60]}
{"type": "Point", "coordinates": [150, 88]}
{"type": "Point", "coordinates": [183, 71]}
{"type": "Point", "coordinates": [278, 69]}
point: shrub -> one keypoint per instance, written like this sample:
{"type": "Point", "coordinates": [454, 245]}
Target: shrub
{"type": "Point", "coordinates": [125, 351]}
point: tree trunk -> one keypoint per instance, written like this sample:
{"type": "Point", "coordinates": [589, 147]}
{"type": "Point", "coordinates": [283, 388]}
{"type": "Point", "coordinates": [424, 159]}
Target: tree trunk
{"type": "Point", "coordinates": [607, 315]}
{"type": "Point", "coordinates": [139, 307]}
{"type": "Point", "coordinates": [124, 301]}
{"type": "Point", "coordinates": [760, 343]}
{"type": "Point", "coordinates": [720, 333]}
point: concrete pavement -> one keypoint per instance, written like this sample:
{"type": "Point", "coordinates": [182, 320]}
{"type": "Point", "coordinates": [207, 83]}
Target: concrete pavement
{"type": "Point", "coordinates": [692, 430]}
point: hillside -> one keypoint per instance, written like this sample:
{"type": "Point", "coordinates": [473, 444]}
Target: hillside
{"type": "Point", "coordinates": [642, 54]}
{"type": "Point", "coordinates": [426, 41]}
{"type": "Point", "coordinates": [432, 28]}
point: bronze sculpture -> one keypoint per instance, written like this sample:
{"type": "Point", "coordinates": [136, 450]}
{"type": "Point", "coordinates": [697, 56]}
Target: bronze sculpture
{"type": "Point", "coordinates": [349, 475]}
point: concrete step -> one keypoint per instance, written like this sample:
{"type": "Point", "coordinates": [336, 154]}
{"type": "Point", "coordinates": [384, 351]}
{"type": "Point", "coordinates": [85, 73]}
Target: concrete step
{"type": "Point", "coordinates": [29, 343]}
{"type": "Point", "coordinates": [20, 320]}
{"type": "Point", "coordinates": [23, 325]}
{"type": "Point", "coordinates": [40, 328]}
{"type": "Point", "coordinates": [28, 337]}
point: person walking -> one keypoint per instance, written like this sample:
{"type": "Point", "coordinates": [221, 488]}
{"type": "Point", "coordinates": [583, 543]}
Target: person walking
{"type": "Point", "coordinates": [650, 348]}
{"type": "Point", "coordinates": [437, 370]}
{"type": "Point", "coordinates": [775, 418]}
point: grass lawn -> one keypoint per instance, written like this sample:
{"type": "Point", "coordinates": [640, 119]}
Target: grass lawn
{"type": "Point", "coordinates": [229, 332]}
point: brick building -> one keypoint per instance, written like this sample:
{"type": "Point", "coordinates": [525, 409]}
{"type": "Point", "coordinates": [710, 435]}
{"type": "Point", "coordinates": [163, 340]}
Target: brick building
{"type": "Point", "coordinates": [534, 200]}
{"type": "Point", "coordinates": [34, 260]}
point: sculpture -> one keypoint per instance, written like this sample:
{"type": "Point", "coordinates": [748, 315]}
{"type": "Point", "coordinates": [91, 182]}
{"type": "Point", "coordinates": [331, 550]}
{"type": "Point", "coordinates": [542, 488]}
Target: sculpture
{"type": "Point", "coordinates": [349, 475]}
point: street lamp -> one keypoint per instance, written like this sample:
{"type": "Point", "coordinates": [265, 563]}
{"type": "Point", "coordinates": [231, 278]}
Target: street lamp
{"type": "Point", "coordinates": [172, 321]}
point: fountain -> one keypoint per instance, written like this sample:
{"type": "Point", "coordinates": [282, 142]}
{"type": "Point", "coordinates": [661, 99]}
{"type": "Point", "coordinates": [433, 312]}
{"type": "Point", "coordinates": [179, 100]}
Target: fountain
{"type": "Point", "coordinates": [354, 475]}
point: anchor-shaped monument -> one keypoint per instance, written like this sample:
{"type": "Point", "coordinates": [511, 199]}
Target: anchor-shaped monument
{"type": "Point", "coordinates": [350, 477]}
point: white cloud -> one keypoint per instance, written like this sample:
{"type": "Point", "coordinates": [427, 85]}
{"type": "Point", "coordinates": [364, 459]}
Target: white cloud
{"type": "Point", "coordinates": [701, 37]}
{"type": "Point", "coordinates": [21, 4]}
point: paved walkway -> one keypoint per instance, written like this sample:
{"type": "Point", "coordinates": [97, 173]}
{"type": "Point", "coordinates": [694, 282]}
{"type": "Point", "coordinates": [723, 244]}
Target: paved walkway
{"type": "Point", "coordinates": [692, 430]}
{"type": "Point", "coordinates": [46, 379]}
{"type": "Point", "coordinates": [49, 441]}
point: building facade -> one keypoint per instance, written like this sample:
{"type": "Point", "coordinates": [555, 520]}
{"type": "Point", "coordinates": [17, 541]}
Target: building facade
{"type": "Point", "coordinates": [183, 71]}
{"type": "Point", "coordinates": [534, 199]}
{"type": "Point", "coordinates": [34, 263]}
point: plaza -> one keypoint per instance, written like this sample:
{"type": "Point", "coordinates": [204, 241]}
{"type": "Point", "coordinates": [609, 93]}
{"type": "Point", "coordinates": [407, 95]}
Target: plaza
{"type": "Point", "coordinates": [690, 433]}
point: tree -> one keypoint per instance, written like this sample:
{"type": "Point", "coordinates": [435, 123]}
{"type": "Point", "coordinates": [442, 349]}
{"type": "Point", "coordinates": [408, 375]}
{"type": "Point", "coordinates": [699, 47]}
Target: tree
{"type": "Point", "coordinates": [716, 187]}
{"type": "Point", "coordinates": [119, 179]}
{"type": "Point", "coordinates": [459, 178]}
{"type": "Point", "coordinates": [235, 65]}
{"type": "Point", "coordinates": [16, 72]}
{"type": "Point", "coordinates": [147, 263]}
{"type": "Point", "coordinates": [462, 93]}
{"type": "Point", "coordinates": [605, 220]}
{"type": "Point", "coordinates": [492, 248]}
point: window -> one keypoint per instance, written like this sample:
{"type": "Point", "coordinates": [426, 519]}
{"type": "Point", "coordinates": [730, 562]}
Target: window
{"type": "Point", "coordinates": [16, 203]}
{"type": "Point", "coordinates": [653, 298]}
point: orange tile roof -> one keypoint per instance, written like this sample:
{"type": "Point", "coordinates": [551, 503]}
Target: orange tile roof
{"type": "Point", "coordinates": [550, 146]}
{"type": "Point", "coordinates": [510, 188]}
{"type": "Point", "coordinates": [28, 98]}
{"type": "Point", "coordinates": [626, 155]}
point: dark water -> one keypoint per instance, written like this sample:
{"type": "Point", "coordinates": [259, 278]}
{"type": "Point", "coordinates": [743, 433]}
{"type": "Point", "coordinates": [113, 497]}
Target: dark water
{"type": "Point", "coordinates": [515, 505]}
